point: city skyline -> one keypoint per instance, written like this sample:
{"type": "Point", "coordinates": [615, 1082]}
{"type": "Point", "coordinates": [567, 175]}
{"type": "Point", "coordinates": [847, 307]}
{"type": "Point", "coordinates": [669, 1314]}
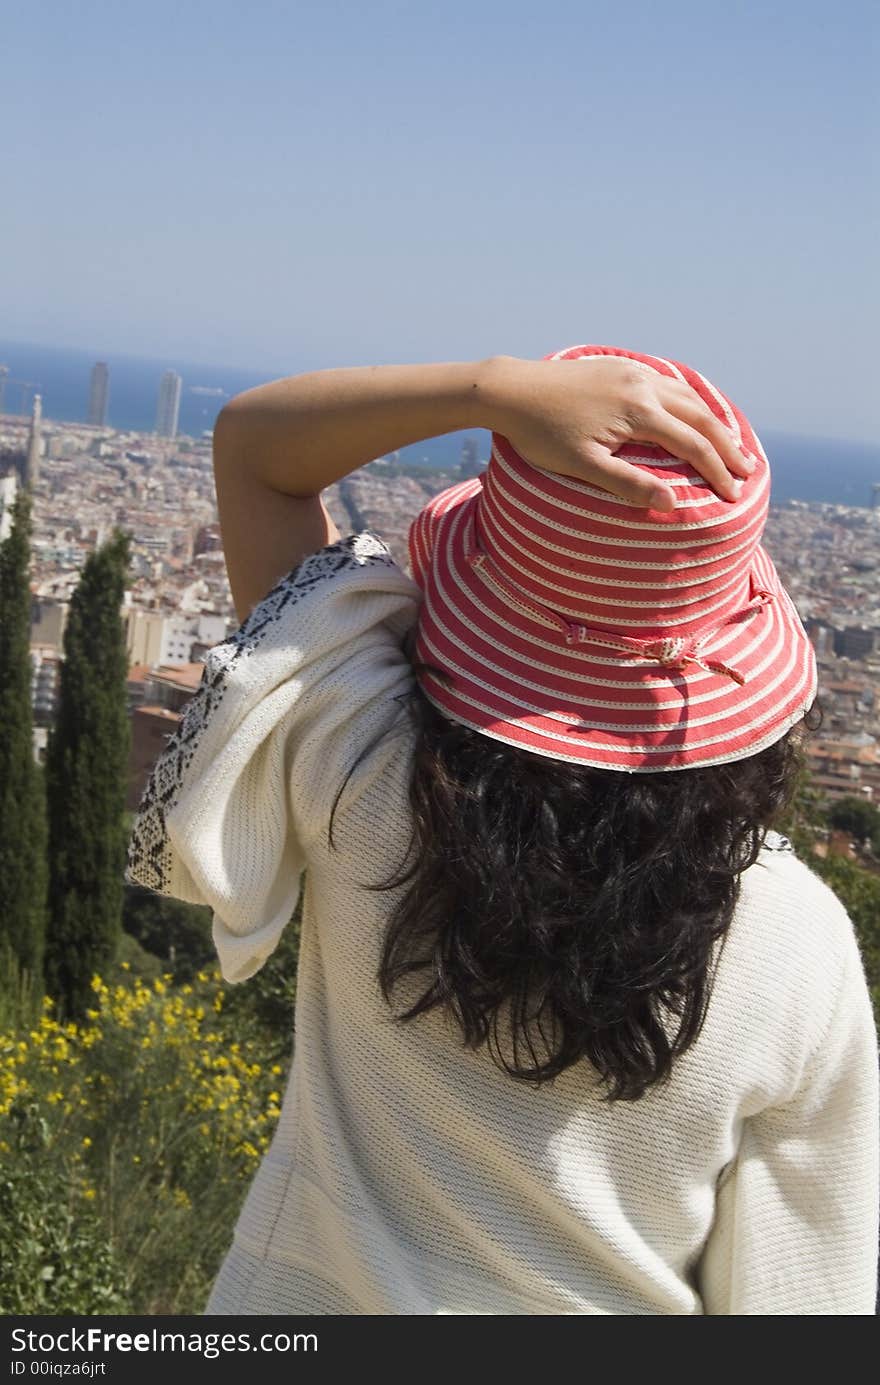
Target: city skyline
{"type": "Point", "coordinates": [178, 603]}
{"type": "Point", "coordinates": [813, 467]}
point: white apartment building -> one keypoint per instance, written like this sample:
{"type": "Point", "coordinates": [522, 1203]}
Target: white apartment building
{"type": "Point", "coordinates": [153, 638]}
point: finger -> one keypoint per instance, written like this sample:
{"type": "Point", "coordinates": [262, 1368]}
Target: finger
{"type": "Point", "coordinates": [627, 482]}
{"type": "Point", "coordinates": [686, 404]}
{"type": "Point", "coordinates": [686, 442]}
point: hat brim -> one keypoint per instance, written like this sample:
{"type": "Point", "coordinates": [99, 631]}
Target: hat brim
{"type": "Point", "coordinates": [506, 673]}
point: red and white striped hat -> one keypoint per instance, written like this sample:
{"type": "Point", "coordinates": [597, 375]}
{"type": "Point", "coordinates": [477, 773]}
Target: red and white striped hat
{"type": "Point", "coordinates": [579, 626]}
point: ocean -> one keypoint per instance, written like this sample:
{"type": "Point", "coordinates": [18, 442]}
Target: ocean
{"type": "Point", "coordinates": [804, 468]}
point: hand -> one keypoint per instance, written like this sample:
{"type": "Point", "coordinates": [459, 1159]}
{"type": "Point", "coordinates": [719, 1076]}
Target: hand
{"type": "Point", "coordinates": [571, 416]}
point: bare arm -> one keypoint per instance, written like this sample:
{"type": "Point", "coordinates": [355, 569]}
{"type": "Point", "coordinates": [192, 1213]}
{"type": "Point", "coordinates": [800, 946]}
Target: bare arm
{"type": "Point", "coordinates": [302, 433]}
{"type": "Point", "coordinates": [277, 446]}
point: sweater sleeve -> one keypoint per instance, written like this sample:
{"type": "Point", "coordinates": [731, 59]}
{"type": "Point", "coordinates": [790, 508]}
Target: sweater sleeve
{"type": "Point", "coordinates": [795, 1229]}
{"type": "Point", "coordinates": [247, 780]}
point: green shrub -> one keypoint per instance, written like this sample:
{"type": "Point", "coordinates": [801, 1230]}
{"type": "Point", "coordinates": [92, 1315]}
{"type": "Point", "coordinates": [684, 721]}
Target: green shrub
{"type": "Point", "coordinates": [132, 958]}
{"type": "Point", "coordinates": [55, 1257]}
{"type": "Point", "coordinates": [21, 993]}
{"type": "Point", "coordinates": [127, 1145]}
{"type": "Point", "coordinates": [859, 892]}
{"type": "Point", "coordinates": [178, 934]}
{"type": "Point", "coordinates": [856, 816]}
{"type": "Point", "coordinates": [263, 1007]}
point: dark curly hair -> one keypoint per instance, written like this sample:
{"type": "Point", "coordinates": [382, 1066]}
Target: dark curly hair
{"type": "Point", "coordinates": [574, 910]}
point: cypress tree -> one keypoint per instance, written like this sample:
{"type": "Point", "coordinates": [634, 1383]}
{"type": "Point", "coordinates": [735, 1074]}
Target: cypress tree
{"type": "Point", "coordinates": [86, 771]}
{"type": "Point", "coordinates": [23, 876]}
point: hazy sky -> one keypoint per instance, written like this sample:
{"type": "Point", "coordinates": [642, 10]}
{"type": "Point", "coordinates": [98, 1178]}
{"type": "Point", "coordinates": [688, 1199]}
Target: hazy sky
{"type": "Point", "coordinates": [286, 186]}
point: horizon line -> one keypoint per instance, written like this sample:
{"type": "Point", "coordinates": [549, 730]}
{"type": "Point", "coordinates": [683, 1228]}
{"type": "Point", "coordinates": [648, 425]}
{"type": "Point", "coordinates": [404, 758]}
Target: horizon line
{"type": "Point", "coordinates": [867, 443]}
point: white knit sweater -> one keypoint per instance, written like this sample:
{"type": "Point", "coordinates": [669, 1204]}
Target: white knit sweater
{"type": "Point", "coordinates": [408, 1175]}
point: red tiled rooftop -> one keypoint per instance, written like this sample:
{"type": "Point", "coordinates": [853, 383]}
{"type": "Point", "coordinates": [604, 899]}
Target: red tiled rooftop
{"type": "Point", "coordinates": [180, 675]}
{"type": "Point", "coordinates": [831, 686]}
{"type": "Point", "coordinates": [151, 709]}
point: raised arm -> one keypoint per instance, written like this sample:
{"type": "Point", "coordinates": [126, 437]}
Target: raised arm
{"type": "Point", "coordinates": [277, 446]}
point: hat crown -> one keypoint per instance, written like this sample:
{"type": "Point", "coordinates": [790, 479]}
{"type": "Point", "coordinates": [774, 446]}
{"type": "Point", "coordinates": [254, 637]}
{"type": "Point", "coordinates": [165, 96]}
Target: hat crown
{"type": "Point", "coordinates": [594, 558]}
{"type": "Point", "coordinates": [590, 557]}
{"type": "Point", "coordinates": [563, 620]}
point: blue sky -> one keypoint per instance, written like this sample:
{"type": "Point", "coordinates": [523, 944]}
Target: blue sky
{"type": "Point", "coordinates": [287, 186]}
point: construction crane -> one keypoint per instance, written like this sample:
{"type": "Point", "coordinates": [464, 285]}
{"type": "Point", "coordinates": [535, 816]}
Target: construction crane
{"type": "Point", "coordinates": [24, 386]}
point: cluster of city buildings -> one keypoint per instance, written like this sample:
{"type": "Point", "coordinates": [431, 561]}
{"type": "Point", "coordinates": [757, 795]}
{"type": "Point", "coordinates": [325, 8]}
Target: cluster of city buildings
{"type": "Point", "coordinates": [829, 559]}
{"type": "Point", "coordinates": [86, 478]}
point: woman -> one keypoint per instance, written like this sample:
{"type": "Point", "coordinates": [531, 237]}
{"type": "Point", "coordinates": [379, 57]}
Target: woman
{"type": "Point", "coordinates": [575, 1030]}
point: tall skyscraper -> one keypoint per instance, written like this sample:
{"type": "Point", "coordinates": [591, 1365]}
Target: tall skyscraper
{"type": "Point", "coordinates": [99, 393]}
{"type": "Point", "coordinates": [32, 465]}
{"type": "Point", "coordinates": [169, 404]}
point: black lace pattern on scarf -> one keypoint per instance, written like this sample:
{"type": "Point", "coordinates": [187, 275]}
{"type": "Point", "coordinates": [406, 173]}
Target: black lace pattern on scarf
{"type": "Point", "coordinates": [149, 853]}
